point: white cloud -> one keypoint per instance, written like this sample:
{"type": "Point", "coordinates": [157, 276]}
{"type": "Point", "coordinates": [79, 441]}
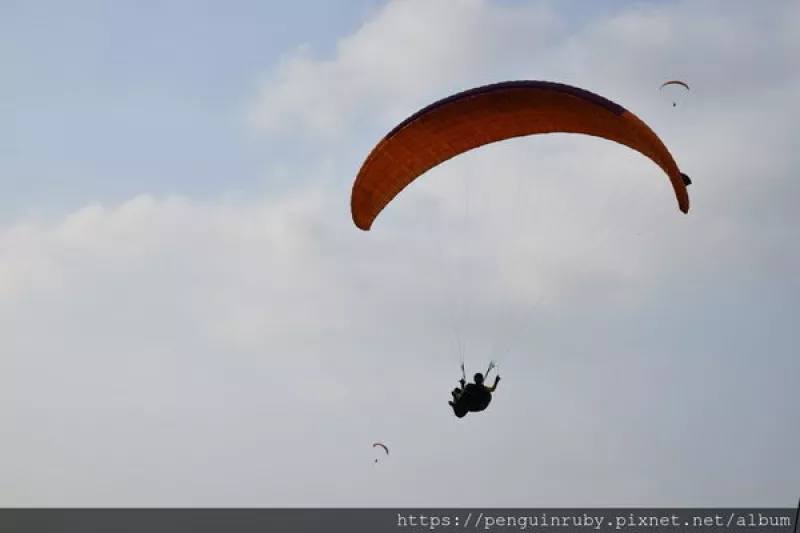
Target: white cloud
{"type": "Point", "coordinates": [409, 51]}
{"type": "Point", "coordinates": [165, 352]}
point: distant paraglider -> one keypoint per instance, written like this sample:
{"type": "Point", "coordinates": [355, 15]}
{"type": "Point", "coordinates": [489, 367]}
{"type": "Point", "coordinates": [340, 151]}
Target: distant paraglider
{"type": "Point", "coordinates": [381, 445]}
{"type": "Point", "coordinates": [492, 113]}
{"type": "Point", "coordinates": [675, 82]}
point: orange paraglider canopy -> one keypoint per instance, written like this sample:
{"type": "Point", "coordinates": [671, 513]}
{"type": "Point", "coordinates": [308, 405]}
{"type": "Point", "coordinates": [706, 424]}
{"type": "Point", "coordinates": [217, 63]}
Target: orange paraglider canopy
{"type": "Point", "coordinates": [674, 82]}
{"type": "Point", "coordinates": [493, 113]}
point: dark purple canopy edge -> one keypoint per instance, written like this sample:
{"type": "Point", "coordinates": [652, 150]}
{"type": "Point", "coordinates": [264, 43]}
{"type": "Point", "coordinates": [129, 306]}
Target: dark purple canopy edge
{"type": "Point", "coordinates": [524, 84]}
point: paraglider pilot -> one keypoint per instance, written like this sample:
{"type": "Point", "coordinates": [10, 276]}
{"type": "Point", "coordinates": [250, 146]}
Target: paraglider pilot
{"type": "Point", "coordinates": [472, 397]}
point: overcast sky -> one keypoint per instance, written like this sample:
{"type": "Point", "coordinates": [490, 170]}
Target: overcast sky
{"type": "Point", "coordinates": [189, 317]}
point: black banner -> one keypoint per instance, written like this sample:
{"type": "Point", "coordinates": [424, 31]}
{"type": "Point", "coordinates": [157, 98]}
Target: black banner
{"type": "Point", "coordinates": [393, 520]}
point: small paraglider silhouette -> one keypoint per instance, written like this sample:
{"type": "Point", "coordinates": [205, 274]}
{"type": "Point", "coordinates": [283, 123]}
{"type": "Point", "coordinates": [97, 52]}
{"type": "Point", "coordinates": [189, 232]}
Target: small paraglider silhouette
{"type": "Point", "coordinates": [675, 82]}
{"type": "Point", "coordinates": [375, 444]}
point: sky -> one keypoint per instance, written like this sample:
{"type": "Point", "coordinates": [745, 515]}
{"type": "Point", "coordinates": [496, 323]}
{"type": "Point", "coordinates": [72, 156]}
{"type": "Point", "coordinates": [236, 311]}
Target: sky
{"type": "Point", "coordinates": [189, 316]}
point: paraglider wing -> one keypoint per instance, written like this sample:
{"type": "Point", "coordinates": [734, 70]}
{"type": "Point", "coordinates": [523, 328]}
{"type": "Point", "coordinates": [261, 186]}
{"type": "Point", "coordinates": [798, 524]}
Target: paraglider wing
{"type": "Point", "coordinates": [382, 446]}
{"type": "Point", "coordinates": [675, 82]}
{"type": "Point", "coordinates": [489, 114]}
